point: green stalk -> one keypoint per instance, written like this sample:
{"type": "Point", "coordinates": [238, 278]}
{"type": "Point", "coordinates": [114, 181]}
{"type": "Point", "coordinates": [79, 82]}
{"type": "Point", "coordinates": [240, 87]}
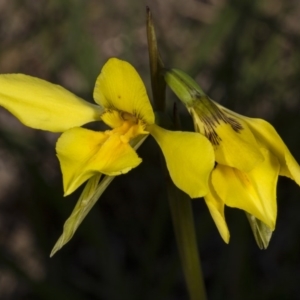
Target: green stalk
{"type": "Point", "coordinates": [184, 227]}
{"type": "Point", "coordinates": [180, 203]}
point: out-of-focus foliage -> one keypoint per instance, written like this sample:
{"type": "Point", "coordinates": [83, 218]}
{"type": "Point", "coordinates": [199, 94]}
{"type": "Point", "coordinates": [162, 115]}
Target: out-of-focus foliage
{"type": "Point", "coordinates": [244, 54]}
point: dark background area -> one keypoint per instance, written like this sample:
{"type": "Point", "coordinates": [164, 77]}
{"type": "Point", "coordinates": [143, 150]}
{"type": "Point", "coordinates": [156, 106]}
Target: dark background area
{"type": "Point", "coordinates": [245, 55]}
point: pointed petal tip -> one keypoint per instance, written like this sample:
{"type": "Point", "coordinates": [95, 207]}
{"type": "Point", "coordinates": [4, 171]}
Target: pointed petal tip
{"type": "Point", "coordinates": [293, 166]}
{"type": "Point", "coordinates": [52, 253]}
{"type": "Point", "coordinates": [67, 192]}
{"type": "Point", "coordinates": [55, 249]}
{"type": "Point", "coordinates": [216, 209]}
{"type": "Point", "coordinates": [226, 238]}
{"type": "Point", "coordinates": [71, 186]}
{"type": "Point", "coordinates": [224, 232]}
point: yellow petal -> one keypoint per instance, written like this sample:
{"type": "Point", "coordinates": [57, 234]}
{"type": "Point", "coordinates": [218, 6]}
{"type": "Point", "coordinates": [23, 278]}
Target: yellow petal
{"type": "Point", "coordinates": [216, 209]}
{"type": "Point", "coordinates": [233, 141]}
{"type": "Point", "coordinates": [189, 157]}
{"type": "Point", "coordinates": [237, 149]}
{"type": "Point", "coordinates": [253, 192]}
{"type": "Point", "coordinates": [267, 136]}
{"type": "Point", "coordinates": [43, 105]}
{"type": "Point", "coordinates": [119, 86]}
{"type": "Point", "coordinates": [83, 153]}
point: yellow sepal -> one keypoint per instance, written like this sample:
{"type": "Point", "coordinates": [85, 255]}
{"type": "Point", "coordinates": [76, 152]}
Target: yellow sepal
{"type": "Point", "coordinates": [267, 137]}
{"type": "Point", "coordinates": [254, 191]}
{"type": "Point", "coordinates": [237, 149]}
{"type": "Point", "coordinates": [189, 158]}
{"type": "Point", "coordinates": [42, 105]}
{"type": "Point", "coordinates": [216, 209]}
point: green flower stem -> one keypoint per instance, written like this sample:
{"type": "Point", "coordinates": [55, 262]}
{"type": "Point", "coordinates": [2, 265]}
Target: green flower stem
{"type": "Point", "coordinates": [87, 200]}
{"type": "Point", "coordinates": [180, 203]}
{"type": "Point", "coordinates": [184, 227]}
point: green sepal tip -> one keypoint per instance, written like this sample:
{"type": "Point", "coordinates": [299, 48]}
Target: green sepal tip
{"type": "Point", "coordinates": [185, 87]}
{"type": "Point", "coordinates": [262, 233]}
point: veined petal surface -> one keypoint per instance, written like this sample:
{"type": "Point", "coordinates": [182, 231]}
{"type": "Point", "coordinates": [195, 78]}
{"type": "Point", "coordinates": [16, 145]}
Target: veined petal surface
{"type": "Point", "coordinates": [189, 157]}
{"type": "Point", "coordinates": [253, 192]}
{"type": "Point", "coordinates": [119, 86]}
{"type": "Point", "coordinates": [234, 144]}
{"type": "Point", "coordinates": [42, 105]}
{"type": "Point", "coordinates": [83, 153]}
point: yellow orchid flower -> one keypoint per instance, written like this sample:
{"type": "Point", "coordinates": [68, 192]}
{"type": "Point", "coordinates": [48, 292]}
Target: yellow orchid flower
{"type": "Point", "coordinates": [123, 104]}
{"type": "Point", "coordinates": [249, 155]}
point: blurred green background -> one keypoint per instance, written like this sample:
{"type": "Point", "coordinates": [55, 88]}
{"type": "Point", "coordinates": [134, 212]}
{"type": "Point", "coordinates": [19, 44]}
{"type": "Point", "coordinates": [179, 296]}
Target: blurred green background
{"type": "Point", "coordinates": [245, 55]}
